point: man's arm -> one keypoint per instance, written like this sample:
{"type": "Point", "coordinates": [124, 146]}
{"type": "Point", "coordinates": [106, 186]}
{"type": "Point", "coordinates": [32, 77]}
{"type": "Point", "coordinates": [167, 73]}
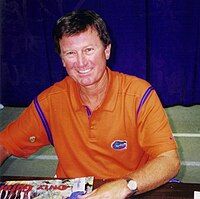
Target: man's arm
{"type": "Point", "coordinates": [155, 173]}
{"type": "Point", "coordinates": [4, 154]}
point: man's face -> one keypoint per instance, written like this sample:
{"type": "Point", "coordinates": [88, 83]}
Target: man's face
{"type": "Point", "coordinates": [84, 57]}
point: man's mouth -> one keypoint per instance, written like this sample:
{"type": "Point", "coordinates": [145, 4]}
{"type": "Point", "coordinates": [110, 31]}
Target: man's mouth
{"type": "Point", "coordinates": [84, 71]}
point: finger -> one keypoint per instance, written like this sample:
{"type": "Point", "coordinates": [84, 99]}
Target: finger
{"type": "Point", "coordinates": [87, 195]}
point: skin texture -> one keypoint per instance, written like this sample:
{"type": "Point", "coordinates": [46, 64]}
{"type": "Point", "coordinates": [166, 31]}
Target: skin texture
{"type": "Point", "coordinates": [152, 175]}
{"type": "Point", "coordinates": [84, 52]}
{"type": "Point", "coordinates": [84, 57]}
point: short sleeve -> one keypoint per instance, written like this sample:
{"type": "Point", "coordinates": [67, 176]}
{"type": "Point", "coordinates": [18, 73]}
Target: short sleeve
{"type": "Point", "coordinates": [154, 132]}
{"type": "Point", "coordinates": [25, 135]}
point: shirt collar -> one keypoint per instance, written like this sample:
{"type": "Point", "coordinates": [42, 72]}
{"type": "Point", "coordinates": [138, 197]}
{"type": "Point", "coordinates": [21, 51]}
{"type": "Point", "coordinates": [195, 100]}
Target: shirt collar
{"type": "Point", "coordinates": [112, 91]}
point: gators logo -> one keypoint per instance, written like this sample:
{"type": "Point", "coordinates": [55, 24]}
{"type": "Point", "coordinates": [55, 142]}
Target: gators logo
{"type": "Point", "coordinates": [119, 144]}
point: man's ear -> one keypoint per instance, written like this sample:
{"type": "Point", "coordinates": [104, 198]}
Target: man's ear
{"type": "Point", "coordinates": [107, 51]}
{"type": "Point", "coordinates": [63, 62]}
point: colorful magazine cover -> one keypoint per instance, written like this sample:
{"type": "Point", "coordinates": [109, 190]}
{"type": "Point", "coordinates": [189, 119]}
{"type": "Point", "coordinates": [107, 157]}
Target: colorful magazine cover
{"type": "Point", "coordinates": [51, 189]}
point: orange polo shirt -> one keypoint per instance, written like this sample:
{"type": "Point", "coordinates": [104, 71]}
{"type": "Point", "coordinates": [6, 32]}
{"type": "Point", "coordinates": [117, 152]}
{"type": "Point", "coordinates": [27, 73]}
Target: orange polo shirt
{"type": "Point", "coordinates": [128, 129]}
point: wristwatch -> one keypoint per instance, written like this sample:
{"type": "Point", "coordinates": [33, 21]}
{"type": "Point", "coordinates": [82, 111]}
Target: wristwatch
{"type": "Point", "coordinates": [132, 185]}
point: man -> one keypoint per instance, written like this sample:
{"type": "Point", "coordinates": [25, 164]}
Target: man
{"type": "Point", "coordinates": [101, 123]}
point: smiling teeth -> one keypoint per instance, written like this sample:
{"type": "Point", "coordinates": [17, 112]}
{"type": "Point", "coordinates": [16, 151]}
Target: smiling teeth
{"type": "Point", "coordinates": [84, 71]}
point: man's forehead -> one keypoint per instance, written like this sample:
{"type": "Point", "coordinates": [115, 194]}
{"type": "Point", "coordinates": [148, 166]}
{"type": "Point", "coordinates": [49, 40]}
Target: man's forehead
{"type": "Point", "coordinates": [81, 40]}
{"type": "Point", "coordinates": [89, 29]}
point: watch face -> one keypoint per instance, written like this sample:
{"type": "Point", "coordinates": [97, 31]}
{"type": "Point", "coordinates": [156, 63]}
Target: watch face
{"type": "Point", "coordinates": [132, 185]}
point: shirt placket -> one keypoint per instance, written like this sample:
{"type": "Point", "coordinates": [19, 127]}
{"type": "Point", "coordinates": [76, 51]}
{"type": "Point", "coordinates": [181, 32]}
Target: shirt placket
{"type": "Point", "coordinates": [92, 126]}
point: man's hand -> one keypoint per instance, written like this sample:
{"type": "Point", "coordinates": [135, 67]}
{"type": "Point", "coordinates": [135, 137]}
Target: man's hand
{"type": "Point", "coordinates": [4, 154]}
{"type": "Point", "coordinates": [155, 173]}
{"type": "Point", "coordinates": [112, 190]}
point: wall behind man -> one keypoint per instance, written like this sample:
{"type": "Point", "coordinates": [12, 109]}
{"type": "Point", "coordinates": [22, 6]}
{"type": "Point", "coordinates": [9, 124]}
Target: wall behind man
{"type": "Point", "coordinates": [157, 40]}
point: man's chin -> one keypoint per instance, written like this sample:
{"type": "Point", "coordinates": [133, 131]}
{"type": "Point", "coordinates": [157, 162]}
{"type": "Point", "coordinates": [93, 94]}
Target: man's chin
{"type": "Point", "coordinates": [86, 82]}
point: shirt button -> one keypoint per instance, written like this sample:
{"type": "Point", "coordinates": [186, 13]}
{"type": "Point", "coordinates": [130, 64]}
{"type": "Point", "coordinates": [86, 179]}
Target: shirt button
{"type": "Point", "coordinates": [92, 126]}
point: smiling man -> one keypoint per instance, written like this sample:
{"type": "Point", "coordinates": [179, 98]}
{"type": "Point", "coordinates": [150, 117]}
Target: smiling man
{"type": "Point", "coordinates": [84, 57]}
{"type": "Point", "coordinates": [102, 123]}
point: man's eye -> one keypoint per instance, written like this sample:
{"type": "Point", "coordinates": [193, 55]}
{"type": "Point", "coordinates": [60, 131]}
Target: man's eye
{"type": "Point", "coordinates": [89, 50]}
{"type": "Point", "coordinates": [70, 53]}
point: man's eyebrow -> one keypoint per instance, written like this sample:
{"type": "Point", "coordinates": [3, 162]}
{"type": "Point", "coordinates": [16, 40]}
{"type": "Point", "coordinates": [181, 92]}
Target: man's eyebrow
{"type": "Point", "coordinates": [89, 46]}
{"type": "Point", "coordinates": [86, 46]}
{"type": "Point", "coordinates": [67, 50]}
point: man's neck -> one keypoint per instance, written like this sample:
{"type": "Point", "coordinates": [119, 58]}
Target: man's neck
{"type": "Point", "coordinates": [93, 96]}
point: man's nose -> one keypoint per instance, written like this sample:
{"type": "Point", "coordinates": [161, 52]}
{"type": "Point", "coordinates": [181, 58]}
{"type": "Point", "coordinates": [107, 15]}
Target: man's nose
{"type": "Point", "coordinates": [81, 60]}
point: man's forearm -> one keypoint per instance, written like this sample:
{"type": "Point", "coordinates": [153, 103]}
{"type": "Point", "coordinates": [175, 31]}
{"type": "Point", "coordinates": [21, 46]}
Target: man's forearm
{"type": "Point", "coordinates": [157, 171]}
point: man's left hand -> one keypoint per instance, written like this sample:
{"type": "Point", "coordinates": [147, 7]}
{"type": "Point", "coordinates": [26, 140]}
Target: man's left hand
{"type": "Point", "coordinates": [113, 190]}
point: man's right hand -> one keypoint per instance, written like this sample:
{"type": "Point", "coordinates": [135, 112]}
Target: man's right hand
{"type": "Point", "coordinates": [4, 154]}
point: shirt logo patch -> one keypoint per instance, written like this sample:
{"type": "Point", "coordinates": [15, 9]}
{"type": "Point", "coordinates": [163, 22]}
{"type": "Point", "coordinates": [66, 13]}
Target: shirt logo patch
{"type": "Point", "coordinates": [119, 144]}
{"type": "Point", "coordinates": [32, 139]}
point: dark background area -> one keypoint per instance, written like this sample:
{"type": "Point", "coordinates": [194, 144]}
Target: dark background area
{"type": "Point", "coordinates": [157, 40]}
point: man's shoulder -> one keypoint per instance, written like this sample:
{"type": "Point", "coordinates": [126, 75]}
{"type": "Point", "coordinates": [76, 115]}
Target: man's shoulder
{"type": "Point", "coordinates": [57, 89]}
{"type": "Point", "coordinates": [131, 84]}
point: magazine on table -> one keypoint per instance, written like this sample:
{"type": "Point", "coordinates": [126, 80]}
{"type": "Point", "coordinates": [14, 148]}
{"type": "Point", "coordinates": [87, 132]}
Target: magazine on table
{"type": "Point", "coordinates": [51, 189]}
